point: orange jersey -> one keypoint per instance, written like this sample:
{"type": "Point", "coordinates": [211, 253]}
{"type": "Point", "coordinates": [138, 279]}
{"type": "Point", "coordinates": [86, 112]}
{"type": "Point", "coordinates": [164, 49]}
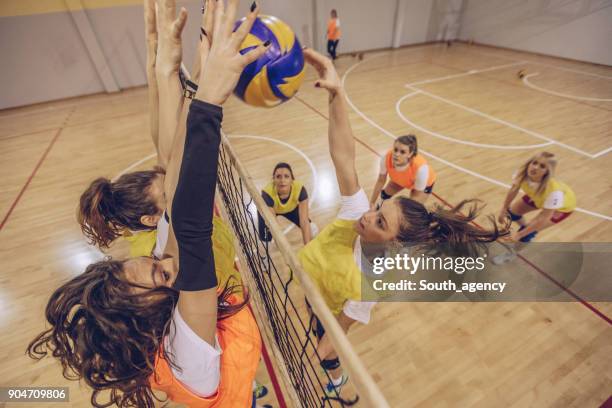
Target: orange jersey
{"type": "Point", "coordinates": [241, 344]}
{"type": "Point", "coordinates": [406, 177]}
{"type": "Point", "coordinates": [333, 29]}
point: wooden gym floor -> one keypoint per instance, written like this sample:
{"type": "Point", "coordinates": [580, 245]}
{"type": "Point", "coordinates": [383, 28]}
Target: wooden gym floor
{"type": "Point", "coordinates": [475, 120]}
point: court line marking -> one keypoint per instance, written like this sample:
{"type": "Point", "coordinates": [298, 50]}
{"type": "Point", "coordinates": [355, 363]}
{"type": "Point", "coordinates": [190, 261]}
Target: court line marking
{"type": "Point", "coordinates": [441, 160]}
{"type": "Point", "coordinates": [503, 122]}
{"type": "Point", "coordinates": [542, 63]}
{"type": "Point", "coordinates": [580, 98]}
{"type": "Point", "coordinates": [470, 72]}
{"type": "Point", "coordinates": [455, 140]}
{"type": "Point", "coordinates": [313, 169]}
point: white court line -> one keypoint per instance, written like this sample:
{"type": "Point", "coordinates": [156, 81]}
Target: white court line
{"type": "Point", "coordinates": [441, 160]}
{"type": "Point", "coordinates": [313, 169]}
{"type": "Point", "coordinates": [503, 122]}
{"type": "Point", "coordinates": [580, 98]}
{"type": "Point", "coordinates": [604, 151]}
{"type": "Point", "coordinates": [455, 140]}
{"type": "Point", "coordinates": [470, 72]}
{"type": "Point", "coordinates": [134, 165]}
{"type": "Point", "coordinates": [544, 64]}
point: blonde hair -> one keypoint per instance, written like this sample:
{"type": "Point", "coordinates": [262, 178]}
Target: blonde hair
{"type": "Point", "coordinates": [549, 159]}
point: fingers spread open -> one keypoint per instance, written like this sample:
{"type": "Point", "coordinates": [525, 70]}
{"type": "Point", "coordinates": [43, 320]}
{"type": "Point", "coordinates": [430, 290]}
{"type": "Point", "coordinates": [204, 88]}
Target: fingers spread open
{"type": "Point", "coordinates": [179, 24]}
{"type": "Point", "coordinates": [218, 19]}
{"type": "Point", "coordinates": [245, 27]}
{"type": "Point", "coordinates": [254, 54]}
{"type": "Point", "coordinates": [208, 18]}
{"type": "Point", "coordinates": [230, 17]}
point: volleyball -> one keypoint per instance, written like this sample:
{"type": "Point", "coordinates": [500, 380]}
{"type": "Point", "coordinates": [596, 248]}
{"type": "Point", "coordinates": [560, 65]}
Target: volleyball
{"type": "Point", "coordinates": [276, 76]}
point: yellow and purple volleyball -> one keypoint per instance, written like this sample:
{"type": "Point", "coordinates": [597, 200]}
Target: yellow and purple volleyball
{"type": "Point", "coordinates": [276, 76]}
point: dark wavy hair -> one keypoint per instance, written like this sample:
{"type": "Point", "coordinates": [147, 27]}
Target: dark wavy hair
{"type": "Point", "coordinates": [107, 208]}
{"type": "Point", "coordinates": [449, 230]}
{"type": "Point", "coordinates": [105, 332]}
{"type": "Point", "coordinates": [283, 165]}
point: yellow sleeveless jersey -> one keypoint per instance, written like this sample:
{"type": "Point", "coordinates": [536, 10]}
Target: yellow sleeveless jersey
{"type": "Point", "coordinates": [292, 202]}
{"type": "Point", "coordinates": [328, 259]}
{"type": "Point", "coordinates": [143, 242]}
{"type": "Point", "coordinates": [569, 198]}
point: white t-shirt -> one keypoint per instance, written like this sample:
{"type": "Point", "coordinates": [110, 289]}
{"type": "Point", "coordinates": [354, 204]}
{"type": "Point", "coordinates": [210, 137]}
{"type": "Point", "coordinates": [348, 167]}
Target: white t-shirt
{"type": "Point", "coordinates": [420, 180]}
{"type": "Point", "coordinates": [352, 208]}
{"type": "Point", "coordinates": [161, 238]}
{"type": "Point", "coordinates": [199, 363]}
{"type": "Point", "coordinates": [200, 375]}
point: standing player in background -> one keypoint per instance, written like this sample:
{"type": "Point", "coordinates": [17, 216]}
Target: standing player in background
{"type": "Point", "coordinates": [333, 34]}
{"type": "Point", "coordinates": [406, 169]}
{"type": "Point", "coordinates": [286, 196]}
{"type": "Point", "coordinates": [554, 199]}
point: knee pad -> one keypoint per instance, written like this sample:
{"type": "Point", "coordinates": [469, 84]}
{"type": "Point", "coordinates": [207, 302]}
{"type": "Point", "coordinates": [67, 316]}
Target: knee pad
{"type": "Point", "coordinates": [514, 217]}
{"type": "Point", "coordinates": [384, 195]}
{"type": "Point", "coordinates": [331, 364]}
{"type": "Point", "coordinates": [529, 237]}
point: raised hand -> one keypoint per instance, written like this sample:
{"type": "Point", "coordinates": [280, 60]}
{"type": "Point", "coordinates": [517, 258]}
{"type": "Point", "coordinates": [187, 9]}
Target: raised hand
{"type": "Point", "coordinates": [328, 76]}
{"type": "Point", "coordinates": [221, 60]}
{"type": "Point", "coordinates": [151, 41]}
{"type": "Point", "coordinates": [170, 28]}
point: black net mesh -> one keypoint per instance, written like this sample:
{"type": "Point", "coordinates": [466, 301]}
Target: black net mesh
{"type": "Point", "coordinates": [286, 313]}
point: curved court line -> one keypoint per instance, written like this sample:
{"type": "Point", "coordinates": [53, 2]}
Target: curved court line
{"type": "Point", "coordinates": [313, 169]}
{"type": "Point", "coordinates": [503, 122]}
{"type": "Point", "coordinates": [425, 153]}
{"type": "Point", "coordinates": [134, 165]}
{"type": "Point", "coordinates": [580, 98]}
{"type": "Point", "coordinates": [454, 140]}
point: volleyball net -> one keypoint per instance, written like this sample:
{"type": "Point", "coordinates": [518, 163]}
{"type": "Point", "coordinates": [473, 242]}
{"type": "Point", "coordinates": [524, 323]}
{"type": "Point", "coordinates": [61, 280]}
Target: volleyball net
{"type": "Point", "coordinates": [279, 288]}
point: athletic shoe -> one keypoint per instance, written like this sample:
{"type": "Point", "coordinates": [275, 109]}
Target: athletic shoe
{"type": "Point", "coordinates": [332, 390]}
{"type": "Point", "coordinates": [504, 258]}
{"type": "Point", "coordinates": [260, 391]}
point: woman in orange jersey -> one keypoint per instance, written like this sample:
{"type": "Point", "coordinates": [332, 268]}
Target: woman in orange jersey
{"type": "Point", "coordinates": [333, 34]}
{"type": "Point", "coordinates": [128, 327]}
{"type": "Point", "coordinates": [406, 169]}
{"type": "Point", "coordinates": [554, 199]}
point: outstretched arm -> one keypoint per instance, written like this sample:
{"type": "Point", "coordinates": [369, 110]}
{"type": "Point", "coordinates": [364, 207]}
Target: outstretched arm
{"type": "Point", "coordinates": [192, 205]}
{"type": "Point", "coordinates": [167, 66]}
{"type": "Point", "coordinates": [341, 141]}
{"type": "Point", "coordinates": [151, 39]}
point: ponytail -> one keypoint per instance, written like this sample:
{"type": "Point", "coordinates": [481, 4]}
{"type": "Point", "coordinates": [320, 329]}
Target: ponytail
{"type": "Point", "coordinates": [451, 229]}
{"type": "Point", "coordinates": [95, 213]}
{"type": "Point", "coordinates": [108, 208]}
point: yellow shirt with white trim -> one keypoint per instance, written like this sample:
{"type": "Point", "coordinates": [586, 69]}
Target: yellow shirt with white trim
{"type": "Point", "coordinates": [292, 202]}
{"type": "Point", "coordinates": [569, 198]}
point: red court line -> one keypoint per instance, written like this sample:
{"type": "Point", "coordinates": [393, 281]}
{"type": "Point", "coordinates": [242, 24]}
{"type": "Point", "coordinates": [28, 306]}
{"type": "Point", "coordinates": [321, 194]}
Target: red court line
{"type": "Point", "coordinates": [538, 269]}
{"type": "Point", "coordinates": [277, 389]}
{"type": "Point", "coordinates": [27, 183]}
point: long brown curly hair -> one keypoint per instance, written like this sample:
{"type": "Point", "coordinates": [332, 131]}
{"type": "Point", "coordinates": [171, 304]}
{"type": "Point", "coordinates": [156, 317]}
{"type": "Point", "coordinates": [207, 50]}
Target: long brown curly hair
{"type": "Point", "coordinates": [107, 333]}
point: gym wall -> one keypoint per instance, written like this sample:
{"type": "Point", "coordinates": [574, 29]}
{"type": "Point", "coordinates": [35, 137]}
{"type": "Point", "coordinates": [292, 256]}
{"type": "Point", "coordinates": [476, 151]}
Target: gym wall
{"type": "Point", "coordinates": [577, 29]}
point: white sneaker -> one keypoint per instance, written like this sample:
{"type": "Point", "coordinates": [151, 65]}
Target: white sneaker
{"type": "Point", "coordinates": [504, 258]}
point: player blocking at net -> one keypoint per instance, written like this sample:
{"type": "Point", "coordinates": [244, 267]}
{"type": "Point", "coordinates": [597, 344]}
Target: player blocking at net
{"type": "Point", "coordinates": [132, 326]}
{"type": "Point", "coordinates": [333, 259]}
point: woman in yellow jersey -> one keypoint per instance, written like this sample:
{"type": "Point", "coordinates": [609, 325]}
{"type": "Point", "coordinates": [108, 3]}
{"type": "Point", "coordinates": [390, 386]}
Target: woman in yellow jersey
{"type": "Point", "coordinates": [333, 259]}
{"type": "Point", "coordinates": [555, 200]}
{"type": "Point", "coordinates": [333, 34]}
{"type": "Point", "coordinates": [287, 197]}
{"type": "Point", "coordinates": [406, 169]}
{"type": "Point", "coordinates": [129, 327]}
